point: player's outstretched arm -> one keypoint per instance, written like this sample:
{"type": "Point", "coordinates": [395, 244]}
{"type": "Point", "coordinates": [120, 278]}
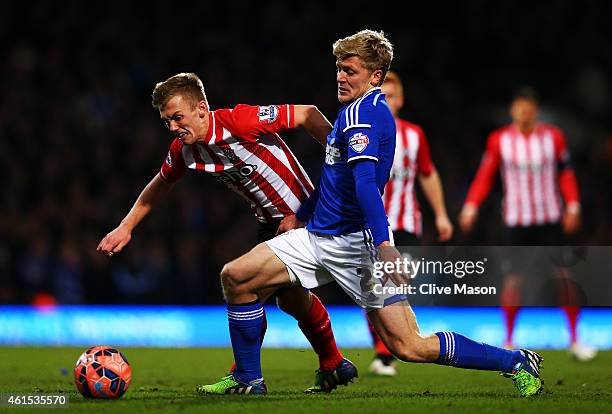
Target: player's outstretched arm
{"type": "Point", "coordinates": [481, 186]}
{"type": "Point", "coordinates": [568, 186]}
{"type": "Point", "coordinates": [114, 241]}
{"type": "Point", "coordinates": [432, 188]}
{"type": "Point", "coordinates": [313, 121]}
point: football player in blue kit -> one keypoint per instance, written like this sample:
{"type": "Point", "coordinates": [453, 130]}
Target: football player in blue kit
{"type": "Point", "coordinates": [346, 236]}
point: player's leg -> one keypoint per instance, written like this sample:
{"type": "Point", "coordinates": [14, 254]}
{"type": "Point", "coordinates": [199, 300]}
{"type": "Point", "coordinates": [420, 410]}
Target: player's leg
{"type": "Point", "coordinates": [397, 327]}
{"type": "Point", "coordinates": [578, 350]}
{"type": "Point", "coordinates": [570, 298]}
{"type": "Point", "coordinates": [511, 292]}
{"type": "Point", "coordinates": [569, 295]}
{"type": "Point", "coordinates": [299, 250]}
{"type": "Point", "coordinates": [306, 308]}
{"type": "Point", "coordinates": [510, 304]}
{"type": "Point", "coordinates": [383, 362]}
{"type": "Point", "coordinates": [313, 321]}
{"type": "Point", "coordinates": [242, 279]}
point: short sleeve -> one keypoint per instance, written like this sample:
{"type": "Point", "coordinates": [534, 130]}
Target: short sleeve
{"type": "Point", "coordinates": [251, 122]}
{"type": "Point", "coordinates": [173, 167]}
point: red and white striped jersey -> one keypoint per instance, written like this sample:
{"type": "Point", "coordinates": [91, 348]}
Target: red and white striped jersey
{"type": "Point", "coordinates": [411, 158]}
{"type": "Point", "coordinates": [534, 169]}
{"type": "Point", "coordinates": [243, 150]}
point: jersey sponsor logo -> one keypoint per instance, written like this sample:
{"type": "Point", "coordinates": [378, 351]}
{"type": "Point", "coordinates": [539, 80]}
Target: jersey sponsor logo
{"type": "Point", "coordinates": [169, 159]}
{"type": "Point", "coordinates": [403, 173]}
{"type": "Point", "coordinates": [332, 153]}
{"type": "Point", "coordinates": [235, 175]}
{"type": "Point", "coordinates": [359, 142]}
{"type": "Point", "coordinates": [526, 167]}
{"type": "Point", "coordinates": [268, 114]}
{"type": "Point", "coordinates": [231, 155]}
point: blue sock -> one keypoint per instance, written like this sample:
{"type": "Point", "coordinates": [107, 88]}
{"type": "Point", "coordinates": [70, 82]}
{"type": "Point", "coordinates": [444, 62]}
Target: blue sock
{"type": "Point", "coordinates": [462, 352]}
{"type": "Point", "coordinates": [245, 325]}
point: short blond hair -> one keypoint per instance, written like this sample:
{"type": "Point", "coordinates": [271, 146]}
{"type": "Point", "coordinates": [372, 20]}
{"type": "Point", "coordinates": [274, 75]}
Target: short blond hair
{"type": "Point", "coordinates": [394, 78]}
{"type": "Point", "coordinates": [372, 47]}
{"type": "Point", "coordinates": [188, 85]}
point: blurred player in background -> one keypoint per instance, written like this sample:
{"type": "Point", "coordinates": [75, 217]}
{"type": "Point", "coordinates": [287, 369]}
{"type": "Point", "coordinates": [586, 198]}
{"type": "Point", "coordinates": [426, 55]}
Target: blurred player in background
{"type": "Point", "coordinates": [411, 161]}
{"type": "Point", "coordinates": [241, 148]}
{"type": "Point", "coordinates": [535, 167]}
{"type": "Point", "coordinates": [347, 235]}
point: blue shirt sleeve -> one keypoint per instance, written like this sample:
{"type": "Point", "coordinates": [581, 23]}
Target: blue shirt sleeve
{"type": "Point", "coordinates": [307, 208]}
{"type": "Point", "coordinates": [370, 201]}
{"type": "Point", "coordinates": [363, 132]}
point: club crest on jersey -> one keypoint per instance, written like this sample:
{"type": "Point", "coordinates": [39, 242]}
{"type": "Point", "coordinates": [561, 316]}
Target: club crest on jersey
{"type": "Point", "coordinates": [268, 114]}
{"type": "Point", "coordinates": [359, 142]}
{"type": "Point", "coordinates": [169, 159]}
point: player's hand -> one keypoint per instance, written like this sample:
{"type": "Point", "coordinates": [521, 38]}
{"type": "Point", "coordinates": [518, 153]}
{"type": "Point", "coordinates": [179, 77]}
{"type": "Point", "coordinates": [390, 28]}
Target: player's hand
{"type": "Point", "coordinates": [289, 223]}
{"type": "Point", "coordinates": [114, 241]}
{"type": "Point", "coordinates": [445, 228]}
{"type": "Point", "coordinates": [467, 217]}
{"type": "Point", "coordinates": [389, 254]}
{"type": "Point", "coordinates": [571, 221]}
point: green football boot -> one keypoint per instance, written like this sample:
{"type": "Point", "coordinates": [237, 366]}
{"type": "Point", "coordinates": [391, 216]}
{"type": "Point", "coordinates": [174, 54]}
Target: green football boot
{"type": "Point", "coordinates": [526, 375]}
{"type": "Point", "coordinates": [231, 385]}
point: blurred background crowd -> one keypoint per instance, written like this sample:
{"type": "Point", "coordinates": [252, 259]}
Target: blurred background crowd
{"type": "Point", "coordinates": [79, 138]}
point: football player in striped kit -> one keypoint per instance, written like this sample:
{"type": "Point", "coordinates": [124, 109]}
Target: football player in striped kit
{"type": "Point", "coordinates": [241, 148]}
{"type": "Point", "coordinates": [541, 200]}
{"type": "Point", "coordinates": [412, 161]}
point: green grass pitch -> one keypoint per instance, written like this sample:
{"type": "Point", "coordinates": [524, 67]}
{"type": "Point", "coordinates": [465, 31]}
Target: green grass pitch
{"type": "Point", "coordinates": [164, 381]}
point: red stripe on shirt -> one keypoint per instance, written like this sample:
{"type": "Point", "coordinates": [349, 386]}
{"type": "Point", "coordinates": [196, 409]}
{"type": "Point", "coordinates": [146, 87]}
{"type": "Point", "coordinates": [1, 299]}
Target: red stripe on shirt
{"type": "Point", "coordinates": [279, 168]}
{"type": "Point", "coordinates": [295, 166]}
{"type": "Point", "coordinates": [402, 211]}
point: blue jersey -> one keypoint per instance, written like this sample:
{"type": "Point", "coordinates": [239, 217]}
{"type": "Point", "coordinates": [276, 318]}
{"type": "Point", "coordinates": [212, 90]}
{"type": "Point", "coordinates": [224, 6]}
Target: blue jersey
{"type": "Point", "coordinates": [363, 130]}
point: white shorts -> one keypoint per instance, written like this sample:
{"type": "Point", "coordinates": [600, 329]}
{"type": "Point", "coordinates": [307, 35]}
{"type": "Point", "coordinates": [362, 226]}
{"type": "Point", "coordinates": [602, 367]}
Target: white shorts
{"type": "Point", "coordinates": [315, 259]}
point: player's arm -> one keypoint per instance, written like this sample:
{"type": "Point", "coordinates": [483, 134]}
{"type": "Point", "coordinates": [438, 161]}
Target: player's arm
{"type": "Point", "coordinates": [114, 241]}
{"type": "Point", "coordinates": [364, 133]}
{"type": "Point", "coordinates": [301, 217]}
{"type": "Point", "coordinates": [481, 186]}
{"type": "Point", "coordinates": [568, 185]}
{"type": "Point", "coordinates": [369, 199]}
{"type": "Point", "coordinates": [432, 188]}
{"type": "Point", "coordinates": [251, 122]}
{"type": "Point", "coordinates": [430, 182]}
{"type": "Point", "coordinates": [313, 121]}
{"type": "Point", "coordinates": [371, 204]}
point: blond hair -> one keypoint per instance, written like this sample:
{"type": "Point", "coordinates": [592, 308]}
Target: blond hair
{"type": "Point", "coordinates": [187, 85]}
{"type": "Point", "coordinates": [394, 78]}
{"type": "Point", "coordinates": [372, 47]}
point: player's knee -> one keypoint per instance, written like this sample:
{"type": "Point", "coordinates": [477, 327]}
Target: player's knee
{"type": "Point", "coordinates": [409, 350]}
{"type": "Point", "coordinates": [234, 280]}
{"type": "Point", "coordinates": [230, 278]}
{"type": "Point", "coordinates": [405, 354]}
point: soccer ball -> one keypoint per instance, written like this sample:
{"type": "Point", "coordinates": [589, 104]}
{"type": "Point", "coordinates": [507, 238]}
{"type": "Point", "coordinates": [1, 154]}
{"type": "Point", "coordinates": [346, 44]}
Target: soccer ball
{"type": "Point", "coordinates": [102, 372]}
